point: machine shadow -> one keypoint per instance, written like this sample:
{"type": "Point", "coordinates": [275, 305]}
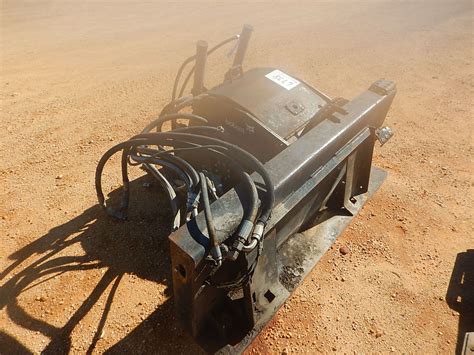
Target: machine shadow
{"type": "Point", "coordinates": [12, 345]}
{"type": "Point", "coordinates": [460, 294]}
{"type": "Point", "coordinates": [137, 246]}
{"type": "Point", "coordinates": [157, 334]}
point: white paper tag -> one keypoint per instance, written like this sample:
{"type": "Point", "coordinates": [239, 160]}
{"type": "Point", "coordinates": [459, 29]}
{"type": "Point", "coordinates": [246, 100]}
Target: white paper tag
{"type": "Point", "coordinates": [282, 79]}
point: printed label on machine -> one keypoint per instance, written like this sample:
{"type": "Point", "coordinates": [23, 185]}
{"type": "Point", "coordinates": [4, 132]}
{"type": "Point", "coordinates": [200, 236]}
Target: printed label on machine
{"type": "Point", "coordinates": [282, 79]}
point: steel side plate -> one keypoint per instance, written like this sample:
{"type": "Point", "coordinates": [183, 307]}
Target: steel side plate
{"type": "Point", "coordinates": [300, 254]}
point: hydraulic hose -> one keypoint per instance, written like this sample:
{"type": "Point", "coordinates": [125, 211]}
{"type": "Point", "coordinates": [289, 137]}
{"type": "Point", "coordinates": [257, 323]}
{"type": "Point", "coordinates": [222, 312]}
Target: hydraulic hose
{"type": "Point", "coordinates": [211, 229]}
{"type": "Point", "coordinates": [199, 142]}
{"type": "Point", "coordinates": [158, 123]}
{"type": "Point", "coordinates": [247, 159]}
{"type": "Point", "coordinates": [148, 148]}
{"type": "Point", "coordinates": [238, 153]}
{"type": "Point", "coordinates": [180, 163]}
{"type": "Point", "coordinates": [101, 164]}
{"type": "Point", "coordinates": [200, 129]}
{"type": "Point", "coordinates": [178, 75]}
{"type": "Point", "coordinates": [149, 160]}
{"type": "Point", "coordinates": [251, 208]}
{"type": "Point", "coordinates": [171, 106]}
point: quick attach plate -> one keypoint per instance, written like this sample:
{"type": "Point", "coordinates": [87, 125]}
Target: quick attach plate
{"type": "Point", "coordinates": [299, 255]}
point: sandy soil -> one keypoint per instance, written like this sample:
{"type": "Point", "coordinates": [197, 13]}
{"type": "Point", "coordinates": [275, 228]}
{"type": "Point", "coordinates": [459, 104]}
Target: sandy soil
{"type": "Point", "coordinates": [77, 77]}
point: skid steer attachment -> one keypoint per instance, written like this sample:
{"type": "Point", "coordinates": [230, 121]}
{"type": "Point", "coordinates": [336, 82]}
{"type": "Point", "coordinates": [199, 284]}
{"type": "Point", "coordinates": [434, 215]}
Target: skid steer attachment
{"type": "Point", "coordinates": [262, 180]}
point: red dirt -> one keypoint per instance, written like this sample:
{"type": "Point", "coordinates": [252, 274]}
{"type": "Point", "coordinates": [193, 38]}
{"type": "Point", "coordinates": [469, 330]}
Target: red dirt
{"type": "Point", "coordinates": [77, 77]}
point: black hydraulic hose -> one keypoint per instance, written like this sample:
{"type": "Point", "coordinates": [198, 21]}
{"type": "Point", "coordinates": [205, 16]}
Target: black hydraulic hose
{"type": "Point", "coordinates": [151, 160]}
{"type": "Point", "coordinates": [126, 186]}
{"type": "Point", "coordinates": [160, 138]}
{"type": "Point", "coordinates": [247, 158]}
{"type": "Point", "coordinates": [178, 75]}
{"type": "Point", "coordinates": [153, 153]}
{"type": "Point", "coordinates": [211, 228]}
{"type": "Point", "coordinates": [179, 104]}
{"type": "Point", "coordinates": [251, 208]}
{"type": "Point", "coordinates": [171, 139]}
{"type": "Point", "coordinates": [171, 117]}
{"type": "Point", "coordinates": [127, 146]}
{"type": "Point", "coordinates": [171, 106]}
{"type": "Point", "coordinates": [215, 251]}
{"type": "Point", "coordinates": [184, 166]}
{"type": "Point", "coordinates": [199, 129]}
{"type": "Point", "coordinates": [249, 213]}
{"type": "Point", "coordinates": [186, 81]}
{"type": "Point", "coordinates": [103, 160]}
{"type": "Point", "coordinates": [239, 153]}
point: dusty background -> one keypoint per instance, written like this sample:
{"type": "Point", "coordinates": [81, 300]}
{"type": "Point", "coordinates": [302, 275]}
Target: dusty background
{"type": "Point", "coordinates": [77, 77]}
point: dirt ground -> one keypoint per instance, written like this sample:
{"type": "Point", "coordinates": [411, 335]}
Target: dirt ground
{"type": "Point", "coordinates": [79, 76]}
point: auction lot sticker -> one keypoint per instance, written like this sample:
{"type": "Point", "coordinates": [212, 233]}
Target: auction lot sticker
{"type": "Point", "coordinates": [282, 79]}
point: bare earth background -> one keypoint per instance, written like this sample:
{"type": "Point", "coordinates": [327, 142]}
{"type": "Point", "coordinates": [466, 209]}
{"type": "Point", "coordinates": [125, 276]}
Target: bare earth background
{"type": "Point", "coordinates": [80, 76]}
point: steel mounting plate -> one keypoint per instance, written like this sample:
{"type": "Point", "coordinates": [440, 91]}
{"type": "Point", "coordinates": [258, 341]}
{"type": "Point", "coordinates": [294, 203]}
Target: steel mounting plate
{"type": "Point", "coordinates": [300, 254]}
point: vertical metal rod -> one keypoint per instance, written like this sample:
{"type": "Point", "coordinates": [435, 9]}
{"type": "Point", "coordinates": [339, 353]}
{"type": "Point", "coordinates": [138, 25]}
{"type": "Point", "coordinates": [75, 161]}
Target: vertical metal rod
{"type": "Point", "coordinates": [200, 68]}
{"type": "Point", "coordinates": [243, 44]}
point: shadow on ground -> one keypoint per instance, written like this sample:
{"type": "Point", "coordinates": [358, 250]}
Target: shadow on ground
{"type": "Point", "coordinates": [460, 295]}
{"type": "Point", "coordinates": [138, 246]}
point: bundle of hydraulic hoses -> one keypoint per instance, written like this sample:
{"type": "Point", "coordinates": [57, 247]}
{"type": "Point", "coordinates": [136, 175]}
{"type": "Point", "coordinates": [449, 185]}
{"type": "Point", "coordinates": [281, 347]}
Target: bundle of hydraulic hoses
{"type": "Point", "coordinates": [150, 148]}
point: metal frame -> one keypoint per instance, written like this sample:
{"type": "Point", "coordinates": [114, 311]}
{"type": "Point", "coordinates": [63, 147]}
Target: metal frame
{"type": "Point", "coordinates": [322, 179]}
